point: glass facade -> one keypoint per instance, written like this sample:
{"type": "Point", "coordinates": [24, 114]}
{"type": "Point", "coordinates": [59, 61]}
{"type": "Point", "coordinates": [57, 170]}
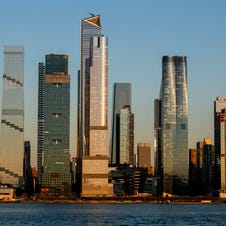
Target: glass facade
{"type": "Point", "coordinates": [174, 124]}
{"type": "Point", "coordinates": [90, 27]}
{"type": "Point", "coordinates": [12, 122]}
{"type": "Point", "coordinates": [126, 136]}
{"type": "Point", "coordinates": [40, 144]}
{"type": "Point", "coordinates": [56, 163]}
{"type": "Point", "coordinates": [121, 98]}
{"type": "Point", "coordinates": [96, 130]}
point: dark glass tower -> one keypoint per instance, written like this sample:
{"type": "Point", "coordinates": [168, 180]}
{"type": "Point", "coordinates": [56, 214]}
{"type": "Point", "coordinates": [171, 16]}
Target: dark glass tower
{"type": "Point", "coordinates": [174, 125]}
{"type": "Point", "coordinates": [121, 98]}
{"type": "Point", "coordinates": [40, 144]}
{"type": "Point", "coordinates": [56, 165]}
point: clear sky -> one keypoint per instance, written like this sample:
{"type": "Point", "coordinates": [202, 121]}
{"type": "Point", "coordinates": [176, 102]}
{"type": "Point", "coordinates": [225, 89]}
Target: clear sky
{"type": "Point", "coordinates": [140, 32]}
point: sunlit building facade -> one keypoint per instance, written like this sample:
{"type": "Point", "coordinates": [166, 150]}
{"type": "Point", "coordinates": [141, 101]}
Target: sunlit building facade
{"type": "Point", "coordinates": [56, 162]}
{"type": "Point", "coordinates": [219, 105]}
{"type": "Point", "coordinates": [12, 121]}
{"type": "Point", "coordinates": [95, 160]}
{"type": "Point", "coordinates": [121, 97]}
{"type": "Point", "coordinates": [221, 118]}
{"type": "Point", "coordinates": [174, 124]}
{"type": "Point", "coordinates": [90, 27]}
{"type": "Point", "coordinates": [144, 155]}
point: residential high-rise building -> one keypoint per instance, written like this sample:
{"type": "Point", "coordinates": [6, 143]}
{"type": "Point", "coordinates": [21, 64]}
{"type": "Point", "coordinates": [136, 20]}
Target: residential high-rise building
{"type": "Point", "coordinates": [144, 155]}
{"type": "Point", "coordinates": [125, 136]}
{"type": "Point", "coordinates": [40, 143]}
{"type": "Point", "coordinates": [56, 110]}
{"type": "Point", "coordinates": [121, 98]}
{"type": "Point", "coordinates": [221, 119]}
{"type": "Point", "coordinates": [174, 124]}
{"type": "Point", "coordinates": [12, 122]}
{"type": "Point", "coordinates": [219, 105]}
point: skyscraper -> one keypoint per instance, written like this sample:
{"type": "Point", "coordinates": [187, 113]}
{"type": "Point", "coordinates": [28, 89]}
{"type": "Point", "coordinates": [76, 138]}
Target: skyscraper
{"type": "Point", "coordinates": [219, 105]}
{"type": "Point", "coordinates": [12, 122]}
{"type": "Point", "coordinates": [125, 136]}
{"type": "Point", "coordinates": [56, 163]}
{"type": "Point", "coordinates": [121, 98]}
{"type": "Point", "coordinates": [174, 124]}
{"type": "Point", "coordinates": [40, 143]}
{"type": "Point", "coordinates": [221, 119]}
{"type": "Point", "coordinates": [90, 27]}
{"type": "Point", "coordinates": [95, 156]}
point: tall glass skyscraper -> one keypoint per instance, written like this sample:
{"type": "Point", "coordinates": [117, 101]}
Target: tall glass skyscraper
{"type": "Point", "coordinates": [12, 122]}
{"type": "Point", "coordinates": [174, 124]}
{"type": "Point", "coordinates": [90, 27]}
{"type": "Point", "coordinates": [121, 98]}
{"type": "Point", "coordinates": [56, 103]}
{"type": "Point", "coordinates": [96, 105]}
{"type": "Point", "coordinates": [40, 143]}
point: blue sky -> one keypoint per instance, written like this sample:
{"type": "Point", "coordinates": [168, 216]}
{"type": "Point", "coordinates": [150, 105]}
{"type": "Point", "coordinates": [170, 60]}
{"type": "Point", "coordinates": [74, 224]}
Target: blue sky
{"type": "Point", "coordinates": [140, 32]}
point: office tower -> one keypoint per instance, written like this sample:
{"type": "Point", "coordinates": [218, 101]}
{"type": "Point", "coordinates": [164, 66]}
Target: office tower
{"type": "Point", "coordinates": [157, 138]}
{"type": "Point", "coordinates": [221, 118]}
{"type": "Point", "coordinates": [40, 143]}
{"type": "Point", "coordinates": [56, 176]}
{"type": "Point", "coordinates": [125, 136]}
{"type": "Point", "coordinates": [90, 27]}
{"type": "Point", "coordinates": [12, 122]}
{"type": "Point", "coordinates": [174, 124]}
{"type": "Point", "coordinates": [144, 155]}
{"type": "Point", "coordinates": [95, 160]}
{"type": "Point", "coordinates": [121, 98]}
{"type": "Point", "coordinates": [219, 105]}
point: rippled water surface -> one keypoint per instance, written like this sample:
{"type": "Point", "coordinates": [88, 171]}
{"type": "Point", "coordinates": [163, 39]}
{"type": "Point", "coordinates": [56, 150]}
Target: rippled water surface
{"type": "Point", "coordinates": [112, 214]}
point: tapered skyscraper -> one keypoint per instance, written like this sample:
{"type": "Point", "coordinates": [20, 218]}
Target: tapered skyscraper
{"type": "Point", "coordinates": [12, 122]}
{"type": "Point", "coordinates": [174, 124]}
{"type": "Point", "coordinates": [121, 98]}
{"type": "Point", "coordinates": [90, 27]}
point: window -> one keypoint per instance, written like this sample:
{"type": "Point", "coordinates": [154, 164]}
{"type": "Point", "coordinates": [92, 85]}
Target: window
{"type": "Point", "coordinates": [57, 85]}
{"type": "Point", "coordinates": [183, 126]}
{"type": "Point", "coordinates": [56, 141]}
{"type": "Point", "coordinates": [56, 115]}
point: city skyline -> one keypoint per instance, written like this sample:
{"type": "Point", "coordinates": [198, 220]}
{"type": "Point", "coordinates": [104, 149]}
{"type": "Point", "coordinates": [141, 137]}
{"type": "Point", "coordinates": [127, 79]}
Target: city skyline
{"type": "Point", "coordinates": [140, 65]}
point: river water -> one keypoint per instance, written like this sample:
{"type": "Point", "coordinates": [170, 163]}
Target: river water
{"type": "Point", "coordinates": [112, 214]}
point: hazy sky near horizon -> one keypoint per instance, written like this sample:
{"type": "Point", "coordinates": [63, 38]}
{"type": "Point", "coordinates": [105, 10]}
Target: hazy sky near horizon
{"type": "Point", "coordinates": [140, 32]}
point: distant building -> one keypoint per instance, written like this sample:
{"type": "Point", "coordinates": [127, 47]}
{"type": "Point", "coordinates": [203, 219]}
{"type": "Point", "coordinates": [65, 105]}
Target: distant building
{"type": "Point", "coordinates": [56, 110]}
{"type": "Point", "coordinates": [125, 136]}
{"type": "Point", "coordinates": [93, 154]}
{"type": "Point", "coordinates": [202, 168]}
{"type": "Point", "coordinates": [12, 121]}
{"type": "Point", "coordinates": [174, 125]}
{"type": "Point", "coordinates": [144, 155]}
{"type": "Point", "coordinates": [157, 139]}
{"type": "Point", "coordinates": [221, 118]}
{"type": "Point", "coordinates": [219, 105]}
{"type": "Point", "coordinates": [90, 27]}
{"type": "Point", "coordinates": [28, 179]}
{"type": "Point", "coordinates": [121, 97]}
{"type": "Point", "coordinates": [40, 141]}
